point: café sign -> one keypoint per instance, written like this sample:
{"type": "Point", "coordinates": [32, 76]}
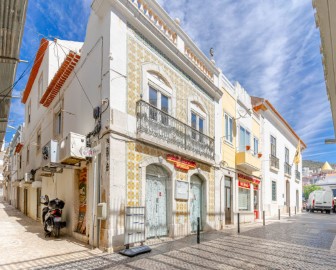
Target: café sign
{"type": "Point", "coordinates": [181, 163]}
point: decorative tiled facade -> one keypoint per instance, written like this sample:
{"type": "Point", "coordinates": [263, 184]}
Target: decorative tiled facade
{"type": "Point", "coordinates": [138, 54]}
{"type": "Point", "coordinates": [136, 154]}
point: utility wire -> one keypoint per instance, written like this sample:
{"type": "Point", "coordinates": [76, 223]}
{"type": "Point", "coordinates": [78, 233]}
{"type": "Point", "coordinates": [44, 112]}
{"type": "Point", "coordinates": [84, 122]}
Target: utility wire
{"type": "Point", "coordinates": [77, 77]}
{"type": "Point", "coordinates": [10, 88]}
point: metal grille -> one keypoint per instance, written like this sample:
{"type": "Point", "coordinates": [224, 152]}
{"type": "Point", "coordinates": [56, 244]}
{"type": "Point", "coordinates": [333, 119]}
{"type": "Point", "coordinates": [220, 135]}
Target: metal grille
{"type": "Point", "coordinates": [159, 124]}
{"type": "Point", "coordinates": [288, 169]}
{"type": "Point", "coordinates": [134, 225]}
{"type": "Point", "coordinates": [274, 162]}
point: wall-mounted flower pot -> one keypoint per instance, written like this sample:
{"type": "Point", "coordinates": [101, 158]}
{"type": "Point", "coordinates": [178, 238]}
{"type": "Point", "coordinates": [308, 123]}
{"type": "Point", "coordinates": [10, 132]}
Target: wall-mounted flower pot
{"type": "Point", "coordinates": [248, 147]}
{"type": "Point", "coordinates": [259, 155]}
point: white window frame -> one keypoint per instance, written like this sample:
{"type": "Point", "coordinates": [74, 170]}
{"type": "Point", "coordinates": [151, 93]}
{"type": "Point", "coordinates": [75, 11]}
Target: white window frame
{"type": "Point", "coordinates": [228, 138]}
{"type": "Point", "coordinates": [29, 112]}
{"type": "Point", "coordinates": [40, 89]}
{"type": "Point", "coordinates": [255, 139]}
{"type": "Point", "coordinates": [276, 195]}
{"type": "Point", "coordinates": [245, 130]}
{"type": "Point", "coordinates": [271, 145]}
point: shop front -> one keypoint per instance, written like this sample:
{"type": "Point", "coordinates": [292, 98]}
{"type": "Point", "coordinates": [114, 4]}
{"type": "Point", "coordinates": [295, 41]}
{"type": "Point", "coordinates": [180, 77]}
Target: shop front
{"type": "Point", "coordinates": [248, 197]}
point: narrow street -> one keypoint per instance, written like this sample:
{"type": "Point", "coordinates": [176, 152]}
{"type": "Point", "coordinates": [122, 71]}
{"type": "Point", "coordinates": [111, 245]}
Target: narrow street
{"type": "Point", "coordinates": [305, 241]}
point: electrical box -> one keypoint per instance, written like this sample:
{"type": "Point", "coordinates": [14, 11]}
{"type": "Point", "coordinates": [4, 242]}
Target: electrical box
{"type": "Point", "coordinates": [71, 148]}
{"type": "Point", "coordinates": [49, 153]}
{"type": "Point", "coordinates": [101, 211]}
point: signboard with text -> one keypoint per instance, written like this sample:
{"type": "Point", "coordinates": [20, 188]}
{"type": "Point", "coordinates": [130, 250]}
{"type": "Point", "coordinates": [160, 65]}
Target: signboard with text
{"type": "Point", "coordinates": [181, 163]}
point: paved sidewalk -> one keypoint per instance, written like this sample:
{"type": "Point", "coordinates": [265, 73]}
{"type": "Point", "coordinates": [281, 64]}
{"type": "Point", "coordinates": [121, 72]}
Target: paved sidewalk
{"type": "Point", "coordinates": [305, 241]}
{"type": "Point", "coordinates": [23, 245]}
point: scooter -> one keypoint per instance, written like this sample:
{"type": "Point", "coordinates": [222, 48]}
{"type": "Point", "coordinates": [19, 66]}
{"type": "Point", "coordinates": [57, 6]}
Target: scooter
{"type": "Point", "coordinates": [52, 216]}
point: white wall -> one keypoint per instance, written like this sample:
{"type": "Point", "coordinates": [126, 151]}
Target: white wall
{"type": "Point", "coordinates": [272, 126]}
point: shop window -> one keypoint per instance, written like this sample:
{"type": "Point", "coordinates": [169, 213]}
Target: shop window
{"type": "Point", "coordinates": [244, 199]}
{"type": "Point", "coordinates": [274, 191]}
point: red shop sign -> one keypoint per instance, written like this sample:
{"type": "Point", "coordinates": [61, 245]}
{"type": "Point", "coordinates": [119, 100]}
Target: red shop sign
{"type": "Point", "coordinates": [249, 178]}
{"type": "Point", "coordinates": [243, 184]}
{"type": "Point", "coordinates": [181, 163]}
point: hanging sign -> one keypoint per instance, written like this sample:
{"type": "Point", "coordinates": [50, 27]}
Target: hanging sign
{"type": "Point", "coordinates": [249, 178]}
{"type": "Point", "coordinates": [181, 163]}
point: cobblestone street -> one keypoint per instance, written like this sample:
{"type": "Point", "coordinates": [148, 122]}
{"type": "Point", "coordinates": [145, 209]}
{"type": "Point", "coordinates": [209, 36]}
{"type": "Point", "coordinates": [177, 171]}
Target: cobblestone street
{"type": "Point", "coordinates": [305, 241]}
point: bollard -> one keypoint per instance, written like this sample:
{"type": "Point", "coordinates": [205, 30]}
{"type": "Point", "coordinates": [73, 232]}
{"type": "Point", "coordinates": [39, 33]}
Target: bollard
{"type": "Point", "coordinates": [238, 223]}
{"type": "Point", "coordinates": [264, 217]}
{"type": "Point", "coordinates": [279, 213]}
{"type": "Point", "coordinates": [289, 211]}
{"type": "Point", "coordinates": [198, 230]}
{"type": "Point", "coordinates": [295, 210]}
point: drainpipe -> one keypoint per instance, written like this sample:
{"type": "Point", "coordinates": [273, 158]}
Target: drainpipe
{"type": "Point", "coordinates": [94, 199]}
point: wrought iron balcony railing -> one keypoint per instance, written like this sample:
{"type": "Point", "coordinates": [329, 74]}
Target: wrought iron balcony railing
{"type": "Point", "coordinates": [274, 162]}
{"type": "Point", "coordinates": [288, 169]}
{"type": "Point", "coordinates": [161, 125]}
{"type": "Point", "coordinates": [297, 175]}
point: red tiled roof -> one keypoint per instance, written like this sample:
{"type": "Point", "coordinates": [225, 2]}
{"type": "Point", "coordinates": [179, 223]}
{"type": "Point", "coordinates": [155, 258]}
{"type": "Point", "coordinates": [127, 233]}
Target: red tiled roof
{"type": "Point", "coordinates": [258, 103]}
{"type": "Point", "coordinates": [36, 66]}
{"type": "Point", "coordinates": [60, 77]}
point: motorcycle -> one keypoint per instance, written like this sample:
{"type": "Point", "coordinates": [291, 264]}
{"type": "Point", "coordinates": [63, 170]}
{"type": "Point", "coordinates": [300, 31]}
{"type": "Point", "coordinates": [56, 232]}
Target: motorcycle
{"type": "Point", "coordinates": [52, 216]}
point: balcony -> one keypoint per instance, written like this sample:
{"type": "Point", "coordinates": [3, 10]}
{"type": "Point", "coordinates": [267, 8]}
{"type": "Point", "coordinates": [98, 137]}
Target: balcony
{"type": "Point", "coordinates": [157, 127]}
{"type": "Point", "coordinates": [288, 169]}
{"type": "Point", "coordinates": [274, 163]}
{"type": "Point", "coordinates": [297, 176]}
{"type": "Point", "coordinates": [246, 160]}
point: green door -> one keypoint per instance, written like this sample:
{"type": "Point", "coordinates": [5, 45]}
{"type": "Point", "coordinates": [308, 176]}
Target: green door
{"type": "Point", "coordinates": [195, 202]}
{"type": "Point", "coordinates": [156, 205]}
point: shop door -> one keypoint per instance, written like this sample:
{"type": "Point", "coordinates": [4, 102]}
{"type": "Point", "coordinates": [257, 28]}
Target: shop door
{"type": "Point", "coordinates": [156, 206]}
{"type": "Point", "coordinates": [25, 201]}
{"type": "Point", "coordinates": [18, 198]}
{"type": "Point", "coordinates": [38, 202]}
{"type": "Point", "coordinates": [195, 202]}
{"type": "Point", "coordinates": [228, 200]}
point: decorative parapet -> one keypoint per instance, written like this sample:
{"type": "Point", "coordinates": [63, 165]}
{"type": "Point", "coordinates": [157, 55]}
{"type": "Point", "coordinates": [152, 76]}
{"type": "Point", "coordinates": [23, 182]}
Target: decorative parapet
{"type": "Point", "coordinates": [171, 35]}
{"type": "Point", "coordinates": [201, 66]}
{"type": "Point", "coordinates": [155, 20]}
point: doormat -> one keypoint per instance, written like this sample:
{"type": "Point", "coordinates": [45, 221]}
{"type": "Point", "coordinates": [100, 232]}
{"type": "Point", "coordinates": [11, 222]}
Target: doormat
{"type": "Point", "coordinates": [131, 252]}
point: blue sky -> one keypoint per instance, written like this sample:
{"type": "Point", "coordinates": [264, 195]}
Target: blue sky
{"type": "Point", "coordinates": [271, 47]}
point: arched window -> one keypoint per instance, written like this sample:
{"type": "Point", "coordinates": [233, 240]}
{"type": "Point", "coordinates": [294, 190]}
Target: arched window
{"type": "Point", "coordinates": [198, 120]}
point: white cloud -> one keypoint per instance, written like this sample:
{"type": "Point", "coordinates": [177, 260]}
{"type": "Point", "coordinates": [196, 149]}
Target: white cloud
{"type": "Point", "coordinates": [271, 48]}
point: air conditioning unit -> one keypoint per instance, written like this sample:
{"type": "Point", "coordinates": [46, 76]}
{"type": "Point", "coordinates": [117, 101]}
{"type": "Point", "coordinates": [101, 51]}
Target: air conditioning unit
{"type": "Point", "coordinates": [71, 148]}
{"type": "Point", "coordinates": [49, 153]}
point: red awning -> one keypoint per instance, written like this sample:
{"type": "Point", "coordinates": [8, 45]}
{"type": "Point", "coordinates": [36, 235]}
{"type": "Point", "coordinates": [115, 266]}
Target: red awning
{"type": "Point", "coordinates": [59, 79]}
